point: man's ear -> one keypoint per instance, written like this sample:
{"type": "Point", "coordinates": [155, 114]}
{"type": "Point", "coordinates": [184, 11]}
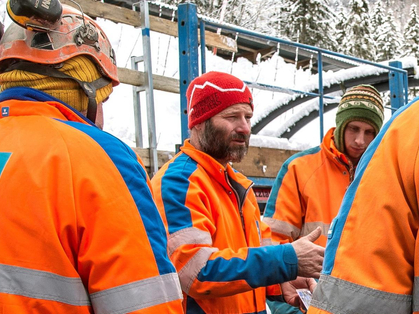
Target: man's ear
{"type": "Point", "coordinates": [199, 126]}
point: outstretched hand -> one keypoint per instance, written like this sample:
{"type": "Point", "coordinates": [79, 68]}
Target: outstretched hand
{"type": "Point", "coordinates": [289, 289]}
{"type": "Point", "coordinates": [310, 255]}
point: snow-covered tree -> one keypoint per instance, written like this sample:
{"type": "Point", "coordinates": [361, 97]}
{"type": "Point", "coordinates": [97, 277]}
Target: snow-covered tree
{"type": "Point", "coordinates": [411, 34]}
{"type": "Point", "coordinates": [211, 8]}
{"type": "Point", "coordinates": [275, 18]}
{"type": "Point", "coordinates": [377, 20]}
{"type": "Point", "coordinates": [353, 31]}
{"type": "Point", "coordinates": [358, 41]}
{"type": "Point", "coordinates": [252, 14]}
{"type": "Point", "coordinates": [311, 22]}
{"type": "Point", "coordinates": [340, 34]}
{"type": "Point", "coordinates": [388, 39]}
{"type": "Point", "coordinates": [378, 17]}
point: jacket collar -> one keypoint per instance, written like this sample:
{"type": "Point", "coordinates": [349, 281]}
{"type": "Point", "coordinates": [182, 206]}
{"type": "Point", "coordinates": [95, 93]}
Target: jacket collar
{"type": "Point", "coordinates": [42, 99]}
{"type": "Point", "coordinates": [214, 168]}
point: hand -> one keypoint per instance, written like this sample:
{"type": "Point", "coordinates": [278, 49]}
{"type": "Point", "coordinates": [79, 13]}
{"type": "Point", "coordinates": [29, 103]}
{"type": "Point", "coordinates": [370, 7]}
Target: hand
{"type": "Point", "coordinates": [289, 290]}
{"type": "Point", "coordinates": [310, 255]}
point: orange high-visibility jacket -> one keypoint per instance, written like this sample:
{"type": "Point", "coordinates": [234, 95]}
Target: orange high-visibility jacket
{"type": "Point", "coordinates": [372, 255]}
{"type": "Point", "coordinates": [79, 232]}
{"type": "Point", "coordinates": [307, 192]}
{"type": "Point", "coordinates": [216, 238]}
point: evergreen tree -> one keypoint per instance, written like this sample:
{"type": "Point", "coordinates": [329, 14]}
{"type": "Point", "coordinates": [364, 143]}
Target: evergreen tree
{"type": "Point", "coordinates": [236, 12]}
{"type": "Point", "coordinates": [377, 20]}
{"type": "Point", "coordinates": [378, 17]}
{"type": "Point", "coordinates": [248, 14]}
{"type": "Point", "coordinates": [252, 14]}
{"type": "Point", "coordinates": [311, 22]}
{"type": "Point", "coordinates": [411, 34]}
{"type": "Point", "coordinates": [388, 39]}
{"type": "Point", "coordinates": [358, 41]}
{"type": "Point", "coordinates": [210, 8]}
{"type": "Point", "coordinates": [275, 18]}
{"type": "Point", "coordinates": [285, 13]}
{"type": "Point", "coordinates": [340, 34]}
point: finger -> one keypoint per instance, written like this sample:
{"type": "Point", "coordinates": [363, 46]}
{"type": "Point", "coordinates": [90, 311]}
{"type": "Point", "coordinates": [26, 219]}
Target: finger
{"type": "Point", "coordinates": [311, 284]}
{"type": "Point", "coordinates": [315, 234]}
{"type": "Point", "coordinates": [294, 300]}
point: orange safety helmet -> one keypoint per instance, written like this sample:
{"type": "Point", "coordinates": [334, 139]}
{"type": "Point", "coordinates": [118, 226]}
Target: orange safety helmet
{"type": "Point", "coordinates": [76, 34]}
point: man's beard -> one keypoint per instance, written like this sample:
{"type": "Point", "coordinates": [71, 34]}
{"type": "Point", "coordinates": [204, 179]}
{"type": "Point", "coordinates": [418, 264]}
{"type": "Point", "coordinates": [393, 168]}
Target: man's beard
{"type": "Point", "coordinates": [216, 143]}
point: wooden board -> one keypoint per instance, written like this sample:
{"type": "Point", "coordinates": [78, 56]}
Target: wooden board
{"type": "Point", "coordinates": [137, 78]}
{"type": "Point", "coordinates": [162, 156]}
{"type": "Point", "coordinates": [263, 162]}
{"type": "Point", "coordinates": [118, 14]}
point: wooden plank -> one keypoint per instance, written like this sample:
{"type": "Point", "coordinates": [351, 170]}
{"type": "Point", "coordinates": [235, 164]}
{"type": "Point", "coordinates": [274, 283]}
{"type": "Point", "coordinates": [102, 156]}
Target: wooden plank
{"type": "Point", "coordinates": [118, 14]}
{"type": "Point", "coordinates": [137, 78]}
{"type": "Point", "coordinates": [107, 11]}
{"type": "Point", "coordinates": [263, 162]}
{"type": "Point", "coordinates": [162, 156]}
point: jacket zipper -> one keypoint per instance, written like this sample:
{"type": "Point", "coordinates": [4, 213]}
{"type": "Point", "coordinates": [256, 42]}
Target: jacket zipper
{"type": "Point", "coordinates": [239, 202]}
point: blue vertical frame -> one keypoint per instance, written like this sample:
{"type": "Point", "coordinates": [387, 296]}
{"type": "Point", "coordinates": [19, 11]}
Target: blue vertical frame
{"type": "Point", "coordinates": [396, 86]}
{"type": "Point", "coordinates": [188, 57]}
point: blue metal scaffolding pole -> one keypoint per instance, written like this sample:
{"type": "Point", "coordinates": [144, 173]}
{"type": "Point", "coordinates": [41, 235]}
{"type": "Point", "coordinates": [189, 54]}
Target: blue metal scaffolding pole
{"type": "Point", "coordinates": [188, 56]}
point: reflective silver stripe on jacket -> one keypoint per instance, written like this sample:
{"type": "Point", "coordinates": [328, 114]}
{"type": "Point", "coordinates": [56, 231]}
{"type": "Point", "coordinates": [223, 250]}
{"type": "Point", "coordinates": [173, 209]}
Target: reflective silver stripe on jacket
{"type": "Point", "coordinates": [282, 227]}
{"type": "Point", "coordinates": [137, 295]}
{"type": "Point", "coordinates": [43, 285]}
{"type": "Point", "coordinates": [416, 295]}
{"type": "Point", "coordinates": [188, 236]}
{"type": "Point", "coordinates": [190, 271]}
{"type": "Point", "coordinates": [340, 296]}
{"type": "Point", "coordinates": [311, 226]}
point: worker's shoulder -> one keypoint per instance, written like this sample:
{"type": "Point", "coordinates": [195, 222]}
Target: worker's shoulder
{"type": "Point", "coordinates": [306, 156]}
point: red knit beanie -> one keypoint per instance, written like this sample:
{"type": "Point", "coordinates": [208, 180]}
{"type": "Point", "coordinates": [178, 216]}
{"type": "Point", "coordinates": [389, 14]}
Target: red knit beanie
{"type": "Point", "coordinates": [213, 92]}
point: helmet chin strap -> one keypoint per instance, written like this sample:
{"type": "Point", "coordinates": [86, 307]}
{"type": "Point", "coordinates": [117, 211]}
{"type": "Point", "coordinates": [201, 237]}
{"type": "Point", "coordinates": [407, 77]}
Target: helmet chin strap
{"type": "Point", "coordinates": [89, 88]}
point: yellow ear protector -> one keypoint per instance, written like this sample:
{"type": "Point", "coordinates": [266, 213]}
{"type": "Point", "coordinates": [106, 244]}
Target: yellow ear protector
{"type": "Point", "coordinates": [40, 15]}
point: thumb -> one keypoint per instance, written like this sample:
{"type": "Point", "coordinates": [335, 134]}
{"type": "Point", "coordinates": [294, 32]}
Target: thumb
{"type": "Point", "coordinates": [314, 235]}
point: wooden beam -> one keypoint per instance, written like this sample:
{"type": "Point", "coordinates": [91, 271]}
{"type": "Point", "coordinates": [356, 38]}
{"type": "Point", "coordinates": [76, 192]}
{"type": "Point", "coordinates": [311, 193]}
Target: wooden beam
{"type": "Point", "coordinates": [252, 50]}
{"type": "Point", "coordinates": [263, 162]}
{"type": "Point", "coordinates": [137, 78]}
{"type": "Point", "coordinates": [123, 15]}
{"type": "Point", "coordinates": [162, 156]}
{"type": "Point", "coordinates": [304, 64]}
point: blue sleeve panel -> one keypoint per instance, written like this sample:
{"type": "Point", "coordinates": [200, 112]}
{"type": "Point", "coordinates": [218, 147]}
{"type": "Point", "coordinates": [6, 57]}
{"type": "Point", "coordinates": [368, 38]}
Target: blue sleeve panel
{"type": "Point", "coordinates": [263, 266]}
{"type": "Point", "coordinates": [335, 230]}
{"type": "Point", "coordinates": [135, 177]}
{"type": "Point", "coordinates": [4, 157]}
{"type": "Point", "coordinates": [174, 188]}
{"type": "Point", "coordinates": [270, 205]}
